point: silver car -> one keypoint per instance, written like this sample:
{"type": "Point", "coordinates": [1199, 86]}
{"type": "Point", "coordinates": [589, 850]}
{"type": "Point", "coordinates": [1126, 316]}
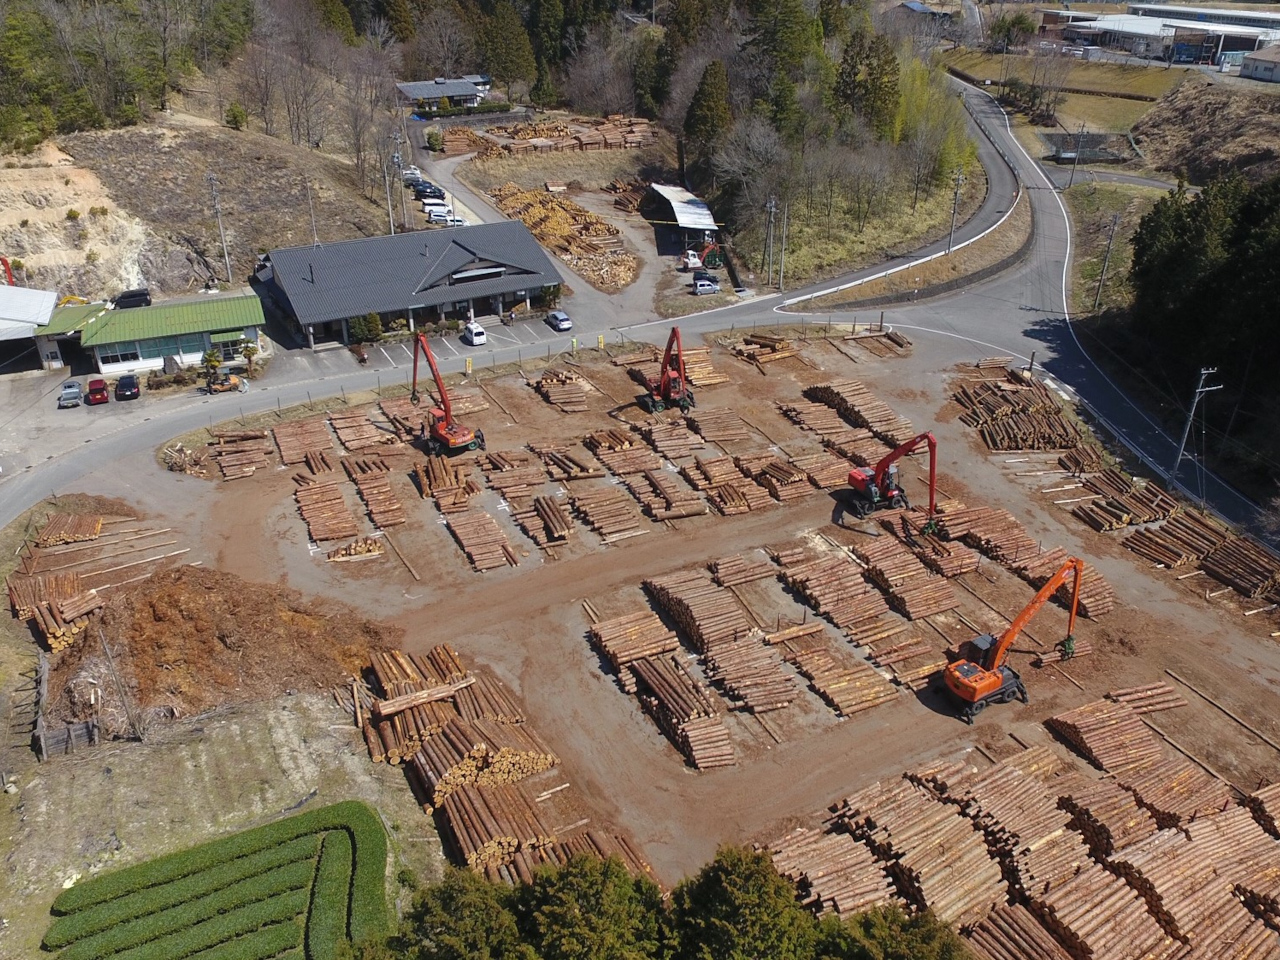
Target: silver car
{"type": "Point", "coordinates": [70, 395]}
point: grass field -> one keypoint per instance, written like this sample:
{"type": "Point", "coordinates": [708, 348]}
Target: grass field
{"type": "Point", "coordinates": [1105, 78]}
{"type": "Point", "coordinates": [1092, 206]}
{"type": "Point", "coordinates": [301, 886]}
{"type": "Point", "coordinates": [1101, 114]}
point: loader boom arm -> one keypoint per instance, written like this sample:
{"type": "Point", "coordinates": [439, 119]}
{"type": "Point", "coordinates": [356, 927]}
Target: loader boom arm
{"type": "Point", "coordinates": [8, 271]}
{"type": "Point", "coordinates": [435, 373]}
{"type": "Point", "coordinates": [675, 344]}
{"type": "Point", "coordinates": [1001, 649]}
{"type": "Point", "coordinates": [882, 468]}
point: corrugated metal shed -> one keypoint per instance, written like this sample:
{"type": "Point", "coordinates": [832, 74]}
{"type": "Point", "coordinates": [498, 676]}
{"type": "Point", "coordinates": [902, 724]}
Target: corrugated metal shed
{"type": "Point", "coordinates": [174, 317]}
{"type": "Point", "coordinates": [435, 89]}
{"type": "Point", "coordinates": [24, 311]}
{"type": "Point", "coordinates": [690, 212]}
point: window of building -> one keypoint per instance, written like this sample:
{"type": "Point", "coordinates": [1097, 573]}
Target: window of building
{"type": "Point", "coordinates": [118, 353]}
{"type": "Point", "coordinates": [231, 350]}
{"type": "Point", "coordinates": [191, 343]}
{"type": "Point", "coordinates": [158, 347]}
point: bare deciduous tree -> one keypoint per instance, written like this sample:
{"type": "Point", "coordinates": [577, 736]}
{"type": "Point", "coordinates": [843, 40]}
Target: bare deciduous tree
{"type": "Point", "coordinates": [598, 79]}
{"type": "Point", "coordinates": [869, 177]}
{"type": "Point", "coordinates": [444, 46]}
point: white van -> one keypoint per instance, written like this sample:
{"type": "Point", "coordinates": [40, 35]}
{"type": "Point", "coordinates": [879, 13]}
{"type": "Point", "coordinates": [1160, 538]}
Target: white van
{"type": "Point", "coordinates": [431, 206]}
{"type": "Point", "coordinates": [473, 335]}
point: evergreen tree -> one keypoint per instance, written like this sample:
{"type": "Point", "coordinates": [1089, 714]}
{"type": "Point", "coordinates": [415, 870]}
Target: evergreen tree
{"type": "Point", "coordinates": [507, 49]}
{"type": "Point", "coordinates": [709, 116]}
{"type": "Point", "coordinates": [548, 29]}
{"type": "Point", "coordinates": [464, 917]}
{"type": "Point", "coordinates": [543, 93]}
{"type": "Point", "coordinates": [835, 20]}
{"type": "Point", "coordinates": [880, 93]}
{"type": "Point", "coordinates": [400, 19]}
{"type": "Point", "coordinates": [646, 76]}
{"type": "Point", "coordinates": [337, 18]}
{"type": "Point", "coordinates": [781, 29]}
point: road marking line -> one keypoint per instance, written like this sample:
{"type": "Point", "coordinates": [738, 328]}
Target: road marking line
{"type": "Point", "coordinates": [451, 347]}
{"type": "Point", "coordinates": [388, 356]}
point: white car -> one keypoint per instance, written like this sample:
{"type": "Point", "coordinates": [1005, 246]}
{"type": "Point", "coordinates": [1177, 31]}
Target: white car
{"type": "Point", "coordinates": [408, 173]}
{"type": "Point", "coordinates": [446, 218]}
{"type": "Point", "coordinates": [473, 335]}
{"type": "Point", "coordinates": [701, 287]}
{"type": "Point", "coordinates": [436, 206]}
{"type": "Point", "coordinates": [559, 321]}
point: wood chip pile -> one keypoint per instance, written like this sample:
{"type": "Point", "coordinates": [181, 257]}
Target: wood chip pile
{"type": "Point", "coordinates": [835, 587]}
{"type": "Point", "coordinates": [565, 462]}
{"type": "Point", "coordinates": [860, 407]}
{"type": "Point", "coordinates": [914, 591]}
{"type": "Point", "coordinates": [563, 389]}
{"type": "Point", "coordinates": [610, 512]}
{"type": "Point", "coordinates": [373, 481]}
{"type": "Point", "coordinates": [300, 437]}
{"type": "Point", "coordinates": [684, 709]}
{"type": "Point", "coordinates": [992, 531]}
{"type": "Point", "coordinates": [481, 539]}
{"type": "Point", "coordinates": [325, 512]}
{"type": "Point", "coordinates": [448, 480]}
{"type": "Point", "coordinates": [1097, 598]}
{"type": "Point", "coordinates": [781, 479]}
{"type": "Point", "coordinates": [357, 432]}
{"type": "Point", "coordinates": [664, 496]}
{"type": "Point", "coordinates": [1123, 502]}
{"type": "Point", "coordinates": [1245, 565]}
{"type": "Point", "coordinates": [833, 872]}
{"type": "Point", "coordinates": [1017, 413]}
{"type": "Point", "coordinates": [1184, 538]}
{"type": "Point", "coordinates": [731, 491]}
{"type": "Point", "coordinates": [239, 453]}
{"type": "Point", "coordinates": [674, 441]}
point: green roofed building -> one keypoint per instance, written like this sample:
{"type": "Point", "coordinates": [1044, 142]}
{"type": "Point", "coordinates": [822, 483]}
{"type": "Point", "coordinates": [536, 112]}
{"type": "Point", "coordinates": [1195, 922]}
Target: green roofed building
{"type": "Point", "coordinates": [169, 332]}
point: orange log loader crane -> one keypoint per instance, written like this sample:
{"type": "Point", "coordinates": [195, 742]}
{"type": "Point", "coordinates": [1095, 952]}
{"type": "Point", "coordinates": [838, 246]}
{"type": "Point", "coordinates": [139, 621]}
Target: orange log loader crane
{"type": "Point", "coordinates": [672, 388]}
{"type": "Point", "coordinates": [8, 272]}
{"type": "Point", "coordinates": [877, 488]}
{"type": "Point", "coordinates": [447, 435]}
{"type": "Point", "coordinates": [992, 680]}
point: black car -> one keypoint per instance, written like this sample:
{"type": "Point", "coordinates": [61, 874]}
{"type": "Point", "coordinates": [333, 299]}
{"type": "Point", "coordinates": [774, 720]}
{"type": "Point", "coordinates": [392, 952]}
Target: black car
{"type": "Point", "coordinates": [703, 275]}
{"type": "Point", "coordinates": [425, 190]}
{"type": "Point", "coordinates": [133, 298]}
{"type": "Point", "coordinates": [128, 387]}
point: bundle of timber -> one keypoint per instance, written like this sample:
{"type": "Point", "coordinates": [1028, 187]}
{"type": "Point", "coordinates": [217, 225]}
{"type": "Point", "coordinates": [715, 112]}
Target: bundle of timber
{"type": "Point", "coordinates": [373, 481]}
{"type": "Point", "coordinates": [519, 481]}
{"type": "Point", "coordinates": [409, 419]}
{"type": "Point", "coordinates": [849, 684]}
{"type": "Point", "coordinates": [913, 590]}
{"type": "Point", "coordinates": [1081, 460]}
{"type": "Point", "coordinates": [476, 752]}
{"type": "Point", "coordinates": [1148, 699]}
{"type": "Point", "coordinates": [1017, 413]}
{"type": "Point", "coordinates": [62, 621]}
{"type": "Point", "coordinates": [489, 825]}
{"type": "Point", "coordinates": [567, 463]}
{"type": "Point", "coordinates": [1106, 814]}
{"type": "Point", "coordinates": [835, 587]}
{"type": "Point", "coordinates": [708, 615]}
{"type": "Point", "coordinates": [564, 389]}
{"type": "Point", "coordinates": [718, 426]}
{"type": "Point", "coordinates": [934, 853]}
{"type": "Point", "coordinates": [699, 370]}
{"type": "Point", "coordinates": [1097, 598]}
{"type": "Point", "coordinates": [182, 459]}
{"type": "Point", "coordinates": [449, 481]}
{"type": "Point", "coordinates": [28, 592]}
{"type": "Point", "coordinates": [624, 462]}
{"type": "Point", "coordinates": [862, 408]}
{"type": "Point", "coordinates": [239, 454]}
{"type": "Point", "coordinates": [731, 491]}
{"type": "Point", "coordinates": [759, 348]}
{"type": "Point", "coordinates": [990, 530]}
{"type": "Point", "coordinates": [1265, 805]}
{"type": "Point", "coordinates": [601, 846]}
{"type": "Point", "coordinates": [818, 417]}
{"type": "Point", "coordinates": [1245, 565]}
{"type": "Point", "coordinates": [545, 520]}
{"type": "Point", "coordinates": [609, 512]}
{"type": "Point", "coordinates": [356, 431]}
{"type": "Point", "coordinates": [365, 548]}
{"type": "Point", "coordinates": [751, 673]}
{"type": "Point", "coordinates": [1014, 933]}
{"type": "Point", "coordinates": [781, 479]}
{"type": "Point", "coordinates": [672, 440]}
{"type": "Point", "coordinates": [1126, 502]}
{"type": "Point", "coordinates": [482, 540]}
{"type": "Point", "coordinates": [610, 438]}
{"type": "Point", "coordinates": [736, 570]}
{"type": "Point", "coordinates": [663, 497]}
{"type": "Point", "coordinates": [684, 709]}
{"type": "Point", "coordinates": [825, 471]}
{"type": "Point", "coordinates": [947, 558]}
{"type": "Point", "coordinates": [325, 512]}
{"type": "Point", "coordinates": [299, 437]}
{"type": "Point", "coordinates": [635, 636]}
{"type": "Point", "coordinates": [1186, 537]}
{"type": "Point", "coordinates": [63, 528]}
{"type": "Point", "coordinates": [833, 872]}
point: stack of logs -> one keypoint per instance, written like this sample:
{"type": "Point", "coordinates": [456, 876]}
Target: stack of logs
{"type": "Point", "coordinates": [719, 426]}
{"type": "Point", "coordinates": [364, 548]}
{"type": "Point", "coordinates": [1186, 537]}
{"type": "Point", "coordinates": [759, 348]}
{"type": "Point", "coordinates": [1149, 698]}
{"type": "Point", "coordinates": [1014, 933]}
{"type": "Point", "coordinates": [834, 587]}
{"type": "Point", "coordinates": [781, 479]}
{"type": "Point", "coordinates": [564, 389]}
{"type": "Point", "coordinates": [1017, 413]}
{"type": "Point", "coordinates": [860, 407]}
{"type": "Point", "coordinates": [543, 519]}
{"type": "Point", "coordinates": [481, 539]}
{"type": "Point", "coordinates": [513, 473]}
{"type": "Point", "coordinates": [626, 639]}
{"type": "Point", "coordinates": [834, 872]}
{"type": "Point", "coordinates": [1265, 804]}
{"type": "Point", "coordinates": [238, 453]}
{"type": "Point", "coordinates": [857, 444]}
{"type": "Point", "coordinates": [913, 590]}
{"type": "Point", "coordinates": [324, 511]}
{"type": "Point", "coordinates": [525, 862]}
{"type": "Point", "coordinates": [617, 451]}
{"type": "Point", "coordinates": [731, 491]}
{"type": "Point", "coordinates": [609, 512]}
{"type": "Point", "coordinates": [299, 437]}
{"type": "Point", "coordinates": [478, 752]}
{"type": "Point", "coordinates": [1245, 565]}
{"type": "Point", "coordinates": [1122, 502]}
{"type": "Point", "coordinates": [356, 431]}
{"type": "Point", "coordinates": [1081, 460]}
{"type": "Point", "coordinates": [945, 557]}
{"type": "Point", "coordinates": [64, 528]}
{"type": "Point", "coordinates": [1097, 598]}
{"type": "Point", "coordinates": [566, 463]}
{"type": "Point", "coordinates": [673, 441]}
{"type": "Point", "coordinates": [373, 480]}
{"type": "Point", "coordinates": [490, 825]}
{"type": "Point", "coordinates": [448, 481]}
{"type": "Point", "coordinates": [990, 530]}
{"type": "Point", "coordinates": [1107, 815]}
{"type": "Point", "coordinates": [684, 709]}
{"type": "Point", "coordinates": [849, 684]}
{"type": "Point", "coordinates": [825, 471]}
{"type": "Point", "coordinates": [736, 570]}
{"type": "Point", "coordinates": [699, 370]}
{"type": "Point", "coordinates": [62, 621]}
{"type": "Point", "coordinates": [663, 497]}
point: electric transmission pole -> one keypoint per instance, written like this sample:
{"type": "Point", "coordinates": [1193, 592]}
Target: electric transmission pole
{"type": "Point", "coordinates": [1076, 161]}
{"type": "Point", "coordinates": [1106, 260]}
{"type": "Point", "coordinates": [771, 206]}
{"type": "Point", "coordinates": [955, 207]}
{"type": "Point", "coordinates": [217, 209]}
{"type": "Point", "coordinates": [1201, 390]}
{"type": "Point", "coordinates": [782, 262]}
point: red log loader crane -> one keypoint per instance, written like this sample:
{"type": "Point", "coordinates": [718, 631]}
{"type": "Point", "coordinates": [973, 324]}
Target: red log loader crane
{"type": "Point", "coordinates": [878, 488]}
{"type": "Point", "coordinates": [8, 272]}
{"type": "Point", "coordinates": [992, 680]}
{"type": "Point", "coordinates": [447, 435]}
{"type": "Point", "coordinates": [672, 388]}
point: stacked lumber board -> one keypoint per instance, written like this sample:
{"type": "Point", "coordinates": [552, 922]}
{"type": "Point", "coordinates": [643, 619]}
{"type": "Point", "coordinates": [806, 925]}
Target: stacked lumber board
{"type": "Point", "coordinates": [860, 407]}
{"type": "Point", "coordinates": [945, 557]}
{"type": "Point", "coordinates": [825, 471]}
{"type": "Point", "coordinates": [489, 825]}
{"type": "Point", "coordinates": [1184, 538]}
{"type": "Point", "coordinates": [731, 491]}
{"type": "Point", "coordinates": [849, 684]}
{"type": "Point", "coordinates": [1017, 413]}
{"type": "Point", "coordinates": [610, 512]}
{"type": "Point", "coordinates": [357, 432]}
{"type": "Point", "coordinates": [567, 463]}
{"type": "Point", "coordinates": [325, 512]}
{"type": "Point", "coordinates": [736, 570]}
{"type": "Point", "coordinates": [781, 479]}
{"type": "Point", "coordinates": [448, 480]}
{"type": "Point", "coordinates": [62, 528]}
{"type": "Point", "coordinates": [1265, 805]}
{"type": "Point", "coordinates": [477, 752]}
{"type": "Point", "coordinates": [933, 852]}
{"type": "Point", "coordinates": [1150, 698]}
{"type": "Point", "coordinates": [373, 481]}
{"type": "Point", "coordinates": [564, 389]}
{"type": "Point", "coordinates": [1012, 932]}
{"type": "Point", "coordinates": [699, 369]}
{"type": "Point", "coordinates": [525, 862]}
{"type": "Point", "coordinates": [1097, 598]}
{"type": "Point", "coordinates": [674, 441]}
{"type": "Point", "coordinates": [719, 426]}
{"type": "Point", "coordinates": [833, 872]}
{"type": "Point", "coordinates": [835, 587]}
{"type": "Point", "coordinates": [239, 453]}
{"type": "Point", "coordinates": [299, 437]}
{"type": "Point", "coordinates": [26, 592]}
{"type": "Point", "coordinates": [363, 548]}
{"type": "Point", "coordinates": [1107, 815]}
{"type": "Point", "coordinates": [913, 590]}
{"type": "Point", "coordinates": [1123, 502]}
{"type": "Point", "coordinates": [634, 636]}
{"type": "Point", "coordinates": [990, 530]}
{"type": "Point", "coordinates": [545, 520]}
{"type": "Point", "coordinates": [1245, 565]}
{"type": "Point", "coordinates": [663, 496]}
{"type": "Point", "coordinates": [684, 709]}
{"type": "Point", "coordinates": [481, 539]}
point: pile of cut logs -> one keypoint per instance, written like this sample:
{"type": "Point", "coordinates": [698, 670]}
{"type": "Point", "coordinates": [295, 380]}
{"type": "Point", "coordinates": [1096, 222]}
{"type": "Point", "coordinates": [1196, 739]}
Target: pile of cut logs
{"type": "Point", "coordinates": [1097, 598]}
{"type": "Point", "coordinates": [1096, 914]}
{"type": "Point", "coordinates": [525, 862]}
{"type": "Point", "coordinates": [1014, 933]}
{"type": "Point", "coordinates": [857, 445]}
{"type": "Point", "coordinates": [513, 473]}
{"type": "Point", "coordinates": [373, 480]}
{"type": "Point", "coordinates": [731, 491]}
{"type": "Point", "coordinates": [850, 685]}
{"type": "Point", "coordinates": [477, 752]}
{"type": "Point", "coordinates": [860, 407]}
{"type": "Point", "coordinates": [544, 519]}
{"type": "Point", "coordinates": [62, 621]}
{"type": "Point", "coordinates": [833, 872]}
{"type": "Point", "coordinates": [27, 592]}
{"type": "Point", "coordinates": [299, 437]}
{"type": "Point", "coordinates": [684, 709]}
{"type": "Point", "coordinates": [698, 368]}
{"type": "Point", "coordinates": [759, 348]}
{"type": "Point", "coordinates": [672, 440]}
{"type": "Point", "coordinates": [1109, 734]}
{"type": "Point", "coordinates": [620, 455]}
{"type": "Point", "coordinates": [490, 825]}
{"type": "Point", "coordinates": [825, 471]}
{"type": "Point", "coordinates": [364, 548]}
{"type": "Point", "coordinates": [1245, 565]}
{"type": "Point", "coordinates": [564, 389]}
{"type": "Point", "coordinates": [1081, 460]}
{"type": "Point", "coordinates": [609, 512]}
{"type": "Point", "coordinates": [781, 479]}
{"type": "Point", "coordinates": [1119, 502]}
{"type": "Point", "coordinates": [636, 636]}
{"type": "Point", "coordinates": [1017, 413]}
{"type": "Point", "coordinates": [1150, 698]}
{"type": "Point", "coordinates": [835, 587]}
{"type": "Point", "coordinates": [663, 497]}
{"type": "Point", "coordinates": [1265, 804]}
{"type": "Point", "coordinates": [736, 570]}
{"type": "Point", "coordinates": [482, 540]}
{"type": "Point", "coordinates": [567, 463]}
{"type": "Point", "coordinates": [324, 511]}
{"type": "Point", "coordinates": [719, 426]}
{"type": "Point", "coordinates": [1107, 815]}
{"type": "Point", "coordinates": [63, 528]}
{"type": "Point", "coordinates": [239, 453]}
{"type": "Point", "coordinates": [823, 420]}
{"type": "Point", "coordinates": [449, 481]}
{"type": "Point", "coordinates": [947, 558]}
{"type": "Point", "coordinates": [990, 530]}
{"type": "Point", "coordinates": [356, 431]}
{"type": "Point", "coordinates": [913, 590]}
{"type": "Point", "coordinates": [1186, 537]}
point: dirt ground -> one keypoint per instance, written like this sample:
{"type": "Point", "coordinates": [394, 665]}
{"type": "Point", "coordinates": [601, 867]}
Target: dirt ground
{"type": "Point", "coordinates": [527, 623]}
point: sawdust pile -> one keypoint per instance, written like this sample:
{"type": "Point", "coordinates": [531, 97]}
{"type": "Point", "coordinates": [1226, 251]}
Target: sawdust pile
{"type": "Point", "coordinates": [188, 640]}
{"type": "Point", "coordinates": [1204, 129]}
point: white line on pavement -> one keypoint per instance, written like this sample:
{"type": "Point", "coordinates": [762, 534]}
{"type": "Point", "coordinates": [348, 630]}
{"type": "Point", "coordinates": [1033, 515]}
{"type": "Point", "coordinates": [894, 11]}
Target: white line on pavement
{"type": "Point", "coordinates": [387, 355]}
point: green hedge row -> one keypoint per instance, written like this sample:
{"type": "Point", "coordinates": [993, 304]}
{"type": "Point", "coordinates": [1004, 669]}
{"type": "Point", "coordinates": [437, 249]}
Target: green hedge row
{"type": "Point", "coordinates": [133, 906]}
{"type": "Point", "coordinates": [269, 943]}
{"type": "Point", "coordinates": [330, 897]}
{"type": "Point", "coordinates": [227, 927]}
{"type": "Point", "coordinates": [366, 828]}
{"type": "Point", "coordinates": [134, 933]}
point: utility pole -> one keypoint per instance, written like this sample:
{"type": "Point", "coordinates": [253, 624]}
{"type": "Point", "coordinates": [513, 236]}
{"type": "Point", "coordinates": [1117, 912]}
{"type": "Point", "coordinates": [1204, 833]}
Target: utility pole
{"type": "Point", "coordinates": [1201, 390]}
{"type": "Point", "coordinates": [771, 206]}
{"type": "Point", "coordinates": [315, 237]}
{"type": "Point", "coordinates": [955, 207]}
{"type": "Point", "coordinates": [217, 209]}
{"type": "Point", "coordinates": [386, 182]}
{"type": "Point", "coordinates": [404, 210]}
{"type": "Point", "coordinates": [1106, 260]}
{"type": "Point", "coordinates": [1076, 160]}
{"type": "Point", "coordinates": [782, 263]}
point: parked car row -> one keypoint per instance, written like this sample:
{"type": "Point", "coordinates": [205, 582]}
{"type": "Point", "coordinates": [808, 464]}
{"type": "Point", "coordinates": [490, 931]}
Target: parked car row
{"type": "Point", "coordinates": [71, 394]}
{"type": "Point", "coordinates": [474, 335]}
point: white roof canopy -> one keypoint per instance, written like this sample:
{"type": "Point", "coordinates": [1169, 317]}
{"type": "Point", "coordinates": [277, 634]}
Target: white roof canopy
{"type": "Point", "coordinates": [691, 213]}
{"type": "Point", "coordinates": [23, 310]}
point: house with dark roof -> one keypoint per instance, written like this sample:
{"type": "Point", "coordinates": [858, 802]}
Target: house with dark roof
{"type": "Point", "coordinates": [421, 277]}
{"type": "Point", "coordinates": [429, 94]}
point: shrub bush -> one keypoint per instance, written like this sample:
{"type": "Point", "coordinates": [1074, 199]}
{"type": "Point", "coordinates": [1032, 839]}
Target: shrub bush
{"type": "Point", "coordinates": [330, 897]}
{"type": "Point", "coordinates": [268, 943]}
{"type": "Point", "coordinates": [73, 214]}
{"type": "Point", "coordinates": [279, 910]}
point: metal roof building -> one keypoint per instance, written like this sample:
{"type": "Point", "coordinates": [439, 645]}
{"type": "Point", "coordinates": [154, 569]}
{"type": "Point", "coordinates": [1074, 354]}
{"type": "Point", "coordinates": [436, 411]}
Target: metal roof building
{"type": "Point", "coordinates": [23, 311]}
{"type": "Point", "coordinates": [461, 92]}
{"type": "Point", "coordinates": [689, 212]}
{"type": "Point", "coordinates": [422, 275]}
